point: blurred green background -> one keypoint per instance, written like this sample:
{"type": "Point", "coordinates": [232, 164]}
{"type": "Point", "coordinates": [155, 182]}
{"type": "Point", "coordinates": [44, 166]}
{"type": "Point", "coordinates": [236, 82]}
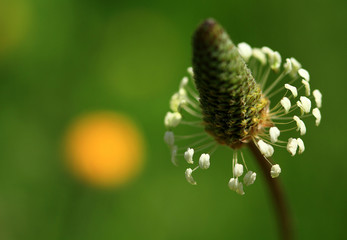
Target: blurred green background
{"type": "Point", "coordinates": [63, 58]}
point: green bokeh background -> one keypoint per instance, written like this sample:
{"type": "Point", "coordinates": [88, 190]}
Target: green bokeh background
{"type": "Point", "coordinates": [63, 58]}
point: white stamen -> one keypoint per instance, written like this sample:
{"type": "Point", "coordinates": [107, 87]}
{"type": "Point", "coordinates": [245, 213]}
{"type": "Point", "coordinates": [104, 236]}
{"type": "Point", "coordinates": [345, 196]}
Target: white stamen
{"type": "Point", "coordinates": [295, 66]}
{"type": "Point", "coordinates": [184, 82]}
{"type": "Point", "coordinates": [249, 178]}
{"type": "Point", "coordinates": [172, 119]}
{"type": "Point", "coordinates": [268, 51]}
{"type": "Point", "coordinates": [189, 176]}
{"type": "Point", "coordinates": [275, 171]}
{"type": "Point", "coordinates": [204, 161]}
{"type": "Point", "coordinates": [317, 97]}
{"type": "Point", "coordinates": [317, 115]}
{"type": "Point", "coordinates": [259, 54]}
{"type": "Point", "coordinates": [178, 99]}
{"type": "Point", "coordinates": [292, 146]}
{"type": "Point", "coordinates": [169, 138]}
{"type": "Point", "coordinates": [173, 155]}
{"type": "Point", "coordinates": [266, 149]}
{"type": "Point", "coordinates": [285, 102]}
{"type": "Point", "coordinates": [307, 87]}
{"type": "Point", "coordinates": [304, 73]}
{"type": "Point", "coordinates": [190, 71]}
{"type": "Point", "coordinates": [300, 145]}
{"type": "Point", "coordinates": [292, 89]}
{"type": "Point", "coordinates": [238, 170]}
{"type": "Point", "coordinates": [274, 58]}
{"type": "Point", "coordinates": [300, 124]}
{"type": "Point", "coordinates": [239, 189]}
{"type": "Point", "coordinates": [188, 155]}
{"type": "Point", "coordinates": [233, 184]}
{"type": "Point", "coordinates": [274, 134]}
{"type": "Point", "coordinates": [245, 51]}
{"type": "Point", "coordinates": [276, 61]}
{"type": "Point", "coordinates": [288, 66]}
{"type": "Point", "coordinates": [304, 104]}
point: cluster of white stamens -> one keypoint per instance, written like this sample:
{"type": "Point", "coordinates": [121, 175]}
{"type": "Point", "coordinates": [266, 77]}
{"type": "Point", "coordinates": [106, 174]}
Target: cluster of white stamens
{"type": "Point", "coordinates": [186, 101]}
{"type": "Point", "coordinates": [234, 183]}
{"type": "Point", "coordinates": [292, 70]}
{"type": "Point", "coordinates": [263, 62]}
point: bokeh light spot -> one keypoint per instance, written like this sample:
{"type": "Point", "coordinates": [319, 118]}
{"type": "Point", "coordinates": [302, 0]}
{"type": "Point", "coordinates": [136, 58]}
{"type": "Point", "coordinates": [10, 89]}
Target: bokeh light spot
{"type": "Point", "coordinates": [104, 149]}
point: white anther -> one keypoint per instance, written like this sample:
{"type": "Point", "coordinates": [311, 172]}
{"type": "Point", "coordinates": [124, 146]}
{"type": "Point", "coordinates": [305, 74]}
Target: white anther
{"type": "Point", "coordinates": [249, 178]}
{"type": "Point", "coordinates": [173, 155]}
{"type": "Point", "coordinates": [266, 149]}
{"type": "Point", "coordinates": [190, 71]}
{"type": "Point", "coordinates": [188, 155]}
{"type": "Point", "coordinates": [285, 102]}
{"type": "Point", "coordinates": [184, 82]}
{"type": "Point", "coordinates": [204, 161]}
{"type": "Point", "coordinates": [307, 87]}
{"type": "Point", "coordinates": [239, 189]}
{"type": "Point", "coordinates": [259, 54]}
{"type": "Point", "coordinates": [295, 66]}
{"type": "Point", "coordinates": [292, 89]}
{"type": "Point", "coordinates": [276, 61]}
{"type": "Point", "coordinates": [275, 171]}
{"type": "Point", "coordinates": [317, 115]}
{"type": "Point", "coordinates": [288, 66]}
{"type": "Point", "coordinates": [233, 184]}
{"type": "Point", "coordinates": [317, 97]}
{"type": "Point", "coordinates": [178, 99]}
{"type": "Point", "coordinates": [292, 146]}
{"type": "Point", "coordinates": [304, 73]}
{"type": "Point", "coordinates": [238, 170]}
{"type": "Point", "coordinates": [189, 176]}
{"type": "Point", "coordinates": [300, 145]}
{"type": "Point", "coordinates": [245, 51]}
{"type": "Point", "coordinates": [304, 104]}
{"type": "Point", "coordinates": [169, 138]}
{"type": "Point", "coordinates": [274, 134]}
{"type": "Point", "coordinates": [172, 119]}
{"type": "Point", "coordinates": [300, 124]}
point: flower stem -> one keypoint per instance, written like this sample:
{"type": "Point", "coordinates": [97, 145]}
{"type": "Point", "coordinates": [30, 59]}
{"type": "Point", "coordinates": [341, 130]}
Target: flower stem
{"type": "Point", "coordinates": [277, 193]}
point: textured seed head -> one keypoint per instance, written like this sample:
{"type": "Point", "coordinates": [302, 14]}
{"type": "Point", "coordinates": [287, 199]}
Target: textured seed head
{"type": "Point", "coordinates": [233, 106]}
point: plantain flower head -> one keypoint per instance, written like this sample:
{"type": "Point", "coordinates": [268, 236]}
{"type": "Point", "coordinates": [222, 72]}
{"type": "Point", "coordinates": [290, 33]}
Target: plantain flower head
{"type": "Point", "coordinates": [230, 98]}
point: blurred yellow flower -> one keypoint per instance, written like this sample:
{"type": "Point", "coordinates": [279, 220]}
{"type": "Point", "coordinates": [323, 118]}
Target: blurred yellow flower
{"type": "Point", "coordinates": [104, 149]}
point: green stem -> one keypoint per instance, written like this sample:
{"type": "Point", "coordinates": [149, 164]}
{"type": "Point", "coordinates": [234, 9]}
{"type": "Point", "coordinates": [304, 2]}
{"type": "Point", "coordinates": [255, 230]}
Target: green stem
{"type": "Point", "coordinates": [277, 194]}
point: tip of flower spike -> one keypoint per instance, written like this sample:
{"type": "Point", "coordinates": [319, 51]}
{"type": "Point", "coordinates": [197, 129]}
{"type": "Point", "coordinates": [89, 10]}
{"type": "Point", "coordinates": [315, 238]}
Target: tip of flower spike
{"type": "Point", "coordinates": [206, 31]}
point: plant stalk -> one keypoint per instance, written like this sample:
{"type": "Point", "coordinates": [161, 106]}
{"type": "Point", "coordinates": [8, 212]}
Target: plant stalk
{"type": "Point", "coordinates": [281, 207]}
